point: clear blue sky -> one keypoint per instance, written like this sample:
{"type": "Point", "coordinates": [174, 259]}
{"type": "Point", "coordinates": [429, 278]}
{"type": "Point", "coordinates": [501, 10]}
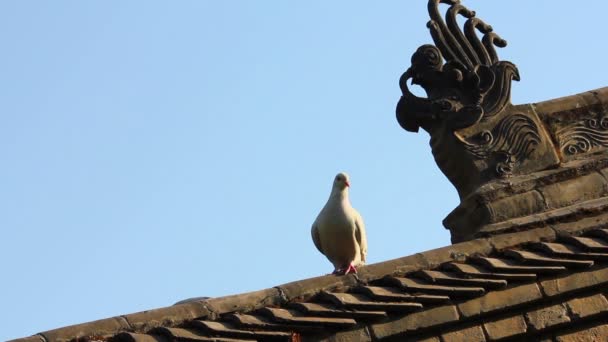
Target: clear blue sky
{"type": "Point", "coordinates": [154, 151]}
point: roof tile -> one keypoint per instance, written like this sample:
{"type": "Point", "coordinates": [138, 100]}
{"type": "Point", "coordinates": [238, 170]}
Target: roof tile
{"type": "Point", "coordinates": [308, 287]}
{"type": "Point", "coordinates": [171, 315]}
{"type": "Point", "coordinates": [445, 278]}
{"type": "Point", "coordinates": [255, 322]}
{"type": "Point", "coordinates": [328, 310]}
{"type": "Point", "coordinates": [480, 272]}
{"type": "Point", "coordinates": [181, 334]}
{"type": "Point", "coordinates": [244, 302]}
{"type": "Point", "coordinates": [294, 317]}
{"type": "Point", "coordinates": [228, 330]}
{"type": "Point", "coordinates": [469, 289]}
{"type": "Point", "coordinates": [106, 326]}
{"type": "Point", "coordinates": [394, 294]}
{"type": "Point", "coordinates": [35, 338]}
{"type": "Point", "coordinates": [534, 258]}
{"type": "Point", "coordinates": [418, 286]}
{"type": "Point", "coordinates": [362, 302]}
{"type": "Point", "coordinates": [569, 251]}
{"type": "Point", "coordinates": [590, 244]}
{"type": "Point", "coordinates": [505, 265]}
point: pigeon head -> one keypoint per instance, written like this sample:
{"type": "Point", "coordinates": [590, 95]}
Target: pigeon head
{"type": "Point", "coordinates": [342, 181]}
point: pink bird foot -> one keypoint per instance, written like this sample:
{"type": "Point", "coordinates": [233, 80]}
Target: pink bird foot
{"type": "Point", "coordinates": [344, 271]}
{"type": "Point", "coordinates": [351, 269]}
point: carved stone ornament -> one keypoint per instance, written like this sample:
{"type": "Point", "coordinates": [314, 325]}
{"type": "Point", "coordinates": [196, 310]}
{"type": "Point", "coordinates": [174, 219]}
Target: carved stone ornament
{"type": "Point", "coordinates": [584, 135]}
{"type": "Point", "coordinates": [468, 92]}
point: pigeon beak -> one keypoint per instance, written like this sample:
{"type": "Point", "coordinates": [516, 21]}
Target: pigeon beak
{"type": "Point", "coordinates": [347, 184]}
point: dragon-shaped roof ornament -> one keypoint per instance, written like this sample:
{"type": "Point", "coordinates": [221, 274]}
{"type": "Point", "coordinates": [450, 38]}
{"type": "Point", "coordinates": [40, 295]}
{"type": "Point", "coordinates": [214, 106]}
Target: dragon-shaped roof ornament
{"type": "Point", "coordinates": [475, 134]}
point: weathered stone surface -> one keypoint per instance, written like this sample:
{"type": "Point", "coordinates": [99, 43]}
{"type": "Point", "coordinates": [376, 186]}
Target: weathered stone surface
{"type": "Point", "coordinates": [472, 334]}
{"type": "Point", "coordinates": [581, 217]}
{"type": "Point", "coordinates": [228, 330]}
{"type": "Point", "coordinates": [593, 334]}
{"type": "Point", "coordinates": [362, 302]}
{"type": "Point", "coordinates": [572, 219]}
{"type": "Point", "coordinates": [35, 338]}
{"type": "Point", "coordinates": [304, 289]}
{"type": "Point", "coordinates": [455, 252]}
{"type": "Point", "coordinates": [529, 257]}
{"type": "Point", "coordinates": [245, 301]}
{"type": "Point", "coordinates": [417, 286]}
{"type": "Point", "coordinates": [294, 317]}
{"type": "Point", "coordinates": [415, 321]}
{"type": "Point", "coordinates": [449, 278]}
{"type": "Point", "coordinates": [575, 282]}
{"type": "Point", "coordinates": [547, 317]}
{"type": "Point", "coordinates": [396, 266]}
{"type": "Point", "coordinates": [132, 337]}
{"type": "Point", "coordinates": [553, 107]}
{"type": "Point", "coordinates": [505, 327]}
{"type": "Point", "coordinates": [397, 295]}
{"type": "Point", "coordinates": [500, 300]}
{"type": "Point", "coordinates": [475, 271]}
{"type": "Point", "coordinates": [168, 316]}
{"type": "Point", "coordinates": [503, 241]}
{"type": "Point", "coordinates": [357, 334]}
{"type": "Point", "coordinates": [101, 327]}
{"type": "Point", "coordinates": [516, 206]}
{"type": "Point", "coordinates": [575, 190]}
{"type": "Point", "coordinates": [429, 339]}
{"type": "Point", "coordinates": [587, 306]}
{"type": "Point", "coordinates": [181, 334]}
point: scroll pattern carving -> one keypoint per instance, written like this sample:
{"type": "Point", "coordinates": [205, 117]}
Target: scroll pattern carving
{"type": "Point", "coordinates": [511, 141]}
{"type": "Point", "coordinates": [583, 135]}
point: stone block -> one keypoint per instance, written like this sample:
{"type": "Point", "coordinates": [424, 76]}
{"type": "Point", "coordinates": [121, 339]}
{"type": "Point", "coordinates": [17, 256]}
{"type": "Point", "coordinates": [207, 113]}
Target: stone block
{"type": "Point", "coordinates": [593, 334]}
{"type": "Point", "coordinates": [587, 306]}
{"type": "Point", "coordinates": [415, 321]}
{"type": "Point", "coordinates": [575, 282]}
{"type": "Point", "coordinates": [575, 190]}
{"type": "Point", "coordinates": [390, 267]}
{"type": "Point", "coordinates": [245, 301]}
{"type": "Point", "coordinates": [108, 326]}
{"type": "Point", "coordinates": [496, 301]}
{"type": "Point", "coordinates": [472, 334]}
{"type": "Point", "coordinates": [456, 252]}
{"type": "Point", "coordinates": [502, 241]}
{"type": "Point", "coordinates": [358, 334]}
{"type": "Point", "coordinates": [35, 338]}
{"type": "Point", "coordinates": [547, 317]}
{"type": "Point", "coordinates": [505, 327]}
{"type": "Point", "coordinates": [517, 205]}
{"type": "Point", "coordinates": [304, 289]}
{"type": "Point", "coordinates": [169, 316]}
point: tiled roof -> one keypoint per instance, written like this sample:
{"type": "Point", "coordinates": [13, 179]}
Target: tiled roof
{"type": "Point", "coordinates": [537, 284]}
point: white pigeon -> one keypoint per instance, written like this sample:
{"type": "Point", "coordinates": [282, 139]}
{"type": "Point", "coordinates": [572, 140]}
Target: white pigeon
{"type": "Point", "coordinates": [339, 232]}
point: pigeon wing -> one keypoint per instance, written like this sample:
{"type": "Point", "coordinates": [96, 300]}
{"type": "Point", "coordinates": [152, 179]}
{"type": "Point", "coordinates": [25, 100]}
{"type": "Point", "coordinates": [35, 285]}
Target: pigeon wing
{"type": "Point", "coordinates": [361, 236]}
{"type": "Point", "coordinates": [315, 237]}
